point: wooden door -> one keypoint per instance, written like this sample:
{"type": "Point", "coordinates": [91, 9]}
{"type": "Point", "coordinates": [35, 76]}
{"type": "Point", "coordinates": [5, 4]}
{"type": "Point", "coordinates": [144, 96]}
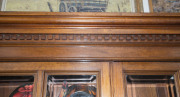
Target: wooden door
{"type": "Point", "coordinates": [145, 79]}
{"type": "Point", "coordinates": [43, 69]}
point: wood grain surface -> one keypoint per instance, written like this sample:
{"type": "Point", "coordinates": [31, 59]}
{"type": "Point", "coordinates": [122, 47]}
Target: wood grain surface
{"type": "Point", "coordinates": [54, 42]}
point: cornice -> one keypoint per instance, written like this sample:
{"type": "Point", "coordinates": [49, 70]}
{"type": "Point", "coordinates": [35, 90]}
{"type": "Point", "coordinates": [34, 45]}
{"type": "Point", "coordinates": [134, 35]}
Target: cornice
{"type": "Point", "coordinates": [89, 37]}
{"type": "Point", "coordinates": [93, 28]}
{"type": "Point", "coordinates": [90, 18]}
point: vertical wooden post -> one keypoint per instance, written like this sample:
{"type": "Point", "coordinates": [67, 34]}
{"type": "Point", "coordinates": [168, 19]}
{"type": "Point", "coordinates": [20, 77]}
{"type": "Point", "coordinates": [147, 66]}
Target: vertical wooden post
{"type": "Point", "coordinates": [177, 82]}
{"type": "Point", "coordinates": [39, 84]}
{"type": "Point", "coordinates": [117, 80]}
{"type": "Point", "coordinates": [105, 81]}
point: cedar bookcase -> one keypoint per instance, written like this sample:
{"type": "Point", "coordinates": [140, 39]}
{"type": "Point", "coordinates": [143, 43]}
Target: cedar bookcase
{"type": "Point", "coordinates": [109, 45]}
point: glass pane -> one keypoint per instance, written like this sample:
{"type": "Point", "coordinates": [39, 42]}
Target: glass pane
{"type": "Point", "coordinates": [150, 86]}
{"type": "Point", "coordinates": [69, 5]}
{"type": "Point", "coordinates": [16, 86]}
{"type": "Point", "coordinates": [71, 86]}
{"type": "Point", "coordinates": [166, 5]}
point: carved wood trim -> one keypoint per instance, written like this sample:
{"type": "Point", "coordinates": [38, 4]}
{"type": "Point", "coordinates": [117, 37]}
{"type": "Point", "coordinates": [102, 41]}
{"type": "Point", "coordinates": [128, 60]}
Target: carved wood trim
{"type": "Point", "coordinates": [101, 38]}
{"type": "Point", "coordinates": [89, 37]}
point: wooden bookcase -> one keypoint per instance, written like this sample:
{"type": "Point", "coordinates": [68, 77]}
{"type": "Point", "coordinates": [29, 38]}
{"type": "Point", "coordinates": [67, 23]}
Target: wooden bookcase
{"type": "Point", "coordinates": [108, 45]}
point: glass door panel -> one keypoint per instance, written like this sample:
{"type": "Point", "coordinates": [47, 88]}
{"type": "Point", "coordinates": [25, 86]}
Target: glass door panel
{"type": "Point", "coordinates": [151, 86]}
{"type": "Point", "coordinates": [71, 86]}
{"type": "Point", "coordinates": [16, 86]}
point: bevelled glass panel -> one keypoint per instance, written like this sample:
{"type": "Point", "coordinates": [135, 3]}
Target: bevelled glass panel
{"type": "Point", "coordinates": [16, 86]}
{"type": "Point", "coordinates": [71, 86]}
{"type": "Point", "coordinates": [150, 86]}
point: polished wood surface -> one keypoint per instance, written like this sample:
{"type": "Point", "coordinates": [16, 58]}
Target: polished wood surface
{"type": "Point", "coordinates": [84, 19]}
{"type": "Point", "coordinates": [118, 87]}
{"type": "Point", "coordinates": [89, 36]}
{"type": "Point", "coordinates": [89, 53]}
{"type": "Point", "coordinates": [113, 44]}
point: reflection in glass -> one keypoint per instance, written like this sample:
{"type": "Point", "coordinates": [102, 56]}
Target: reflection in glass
{"type": "Point", "coordinates": [16, 86]}
{"type": "Point", "coordinates": [150, 86]}
{"type": "Point", "coordinates": [71, 86]}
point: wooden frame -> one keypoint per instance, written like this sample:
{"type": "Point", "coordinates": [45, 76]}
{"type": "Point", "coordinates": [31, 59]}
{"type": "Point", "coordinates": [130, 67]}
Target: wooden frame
{"type": "Point", "coordinates": [100, 68]}
{"type": "Point", "coordinates": [119, 70]}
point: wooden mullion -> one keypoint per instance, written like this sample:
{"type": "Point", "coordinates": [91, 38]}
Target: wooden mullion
{"type": "Point", "coordinates": [45, 84]}
{"type": "Point", "coordinates": [177, 82]}
{"type": "Point", "coordinates": [105, 81]}
{"type": "Point", "coordinates": [35, 85]}
{"type": "Point", "coordinates": [117, 80]}
{"type": "Point", "coordinates": [39, 84]}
